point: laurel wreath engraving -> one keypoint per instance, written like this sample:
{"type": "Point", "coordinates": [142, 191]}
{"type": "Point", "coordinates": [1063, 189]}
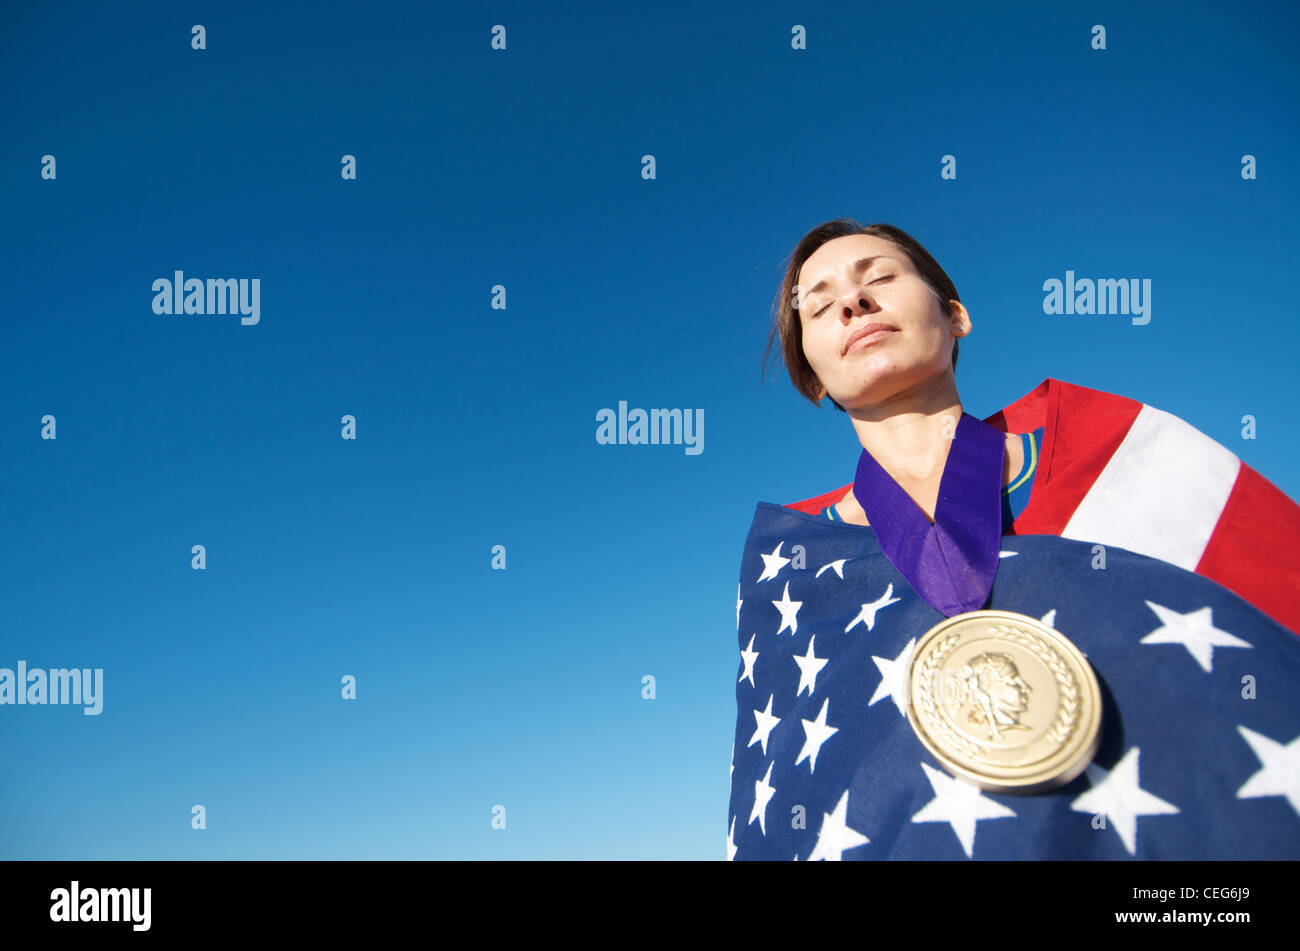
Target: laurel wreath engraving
{"type": "Point", "coordinates": [929, 673]}
{"type": "Point", "coordinates": [1067, 717]}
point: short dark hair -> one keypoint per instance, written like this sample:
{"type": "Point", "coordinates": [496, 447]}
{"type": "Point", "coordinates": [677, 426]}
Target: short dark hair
{"type": "Point", "coordinates": [786, 324]}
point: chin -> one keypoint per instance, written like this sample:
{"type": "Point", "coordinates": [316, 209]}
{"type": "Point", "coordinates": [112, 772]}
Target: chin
{"type": "Point", "coordinates": [877, 386]}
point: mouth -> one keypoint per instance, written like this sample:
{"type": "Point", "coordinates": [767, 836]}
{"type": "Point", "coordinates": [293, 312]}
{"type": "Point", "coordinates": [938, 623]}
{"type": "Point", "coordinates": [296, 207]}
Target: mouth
{"type": "Point", "coordinates": [868, 335]}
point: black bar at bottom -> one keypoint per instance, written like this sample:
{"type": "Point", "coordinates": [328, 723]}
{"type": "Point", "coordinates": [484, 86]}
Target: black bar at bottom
{"type": "Point", "coordinates": [643, 900]}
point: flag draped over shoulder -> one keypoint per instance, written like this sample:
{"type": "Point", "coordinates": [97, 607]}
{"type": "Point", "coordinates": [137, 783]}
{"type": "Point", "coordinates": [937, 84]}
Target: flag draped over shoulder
{"type": "Point", "coordinates": [1121, 473]}
{"type": "Point", "coordinates": [1200, 746]}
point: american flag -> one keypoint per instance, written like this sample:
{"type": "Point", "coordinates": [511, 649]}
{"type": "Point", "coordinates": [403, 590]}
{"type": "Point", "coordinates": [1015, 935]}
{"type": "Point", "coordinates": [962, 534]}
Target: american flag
{"type": "Point", "coordinates": [1200, 750]}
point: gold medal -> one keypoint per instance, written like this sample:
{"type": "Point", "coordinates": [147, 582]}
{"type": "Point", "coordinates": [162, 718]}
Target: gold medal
{"type": "Point", "coordinates": [1004, 701]}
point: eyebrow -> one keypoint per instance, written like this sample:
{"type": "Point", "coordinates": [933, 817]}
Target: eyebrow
{"type": "Point", "coordinates": [859, 266]}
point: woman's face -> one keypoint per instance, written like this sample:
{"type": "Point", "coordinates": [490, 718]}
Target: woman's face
{"type": "Point", "coordinates": [857, 280]}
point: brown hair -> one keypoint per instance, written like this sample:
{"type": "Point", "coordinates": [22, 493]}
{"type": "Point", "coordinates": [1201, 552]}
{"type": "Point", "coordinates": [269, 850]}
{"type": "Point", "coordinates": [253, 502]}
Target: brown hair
{"type": "Point", "coordinates": [786, 315]}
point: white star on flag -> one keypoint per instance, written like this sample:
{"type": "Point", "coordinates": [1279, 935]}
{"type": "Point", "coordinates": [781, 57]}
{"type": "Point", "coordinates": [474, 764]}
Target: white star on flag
{"type": "Point", "coordinates": [765, 722]}
{"type": "Point", "coordinates": [868, 612]}
{"type": "Point", "coordinates": [763, 794]}
{"type": "Point", "coordinates": [749, 655]}
{"type": "Point", "coordinates": [789, 611]}
{"type": "Point", "coordinates": [959, 804]}
{"type": "Point", "coordinates": [1280, 773]}
{"type": "Point", "coordinates": [893, 678]}
{"type": "Point", "coordinates": [731, 840]}
{"type": "Point", "coordinates": [809, 667]}
{"type": "Point", "coordinates": [1117, 796]}
{"type": "Point", "coordinates": [773, 563]}
{"type": "Point", "coordinates": [816, 732]}
{"type": "Point", "coordinates": [836, 837]}
{"type": "Point", "coordinates": [739, 602]}
{"type": "Point", "coordinates": [1194, 630]}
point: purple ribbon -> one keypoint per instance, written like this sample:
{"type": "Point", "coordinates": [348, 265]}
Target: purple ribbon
{"type": "Point", "coordinates": [951, 563]}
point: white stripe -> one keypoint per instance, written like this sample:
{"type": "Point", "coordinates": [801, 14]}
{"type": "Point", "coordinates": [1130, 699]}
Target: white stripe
{"type": "Point", "coordinates": [1161, 493]}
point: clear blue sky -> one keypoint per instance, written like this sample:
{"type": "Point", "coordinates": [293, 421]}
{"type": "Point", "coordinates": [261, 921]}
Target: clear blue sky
{"type": "Point", "coordinates": [477, 426]}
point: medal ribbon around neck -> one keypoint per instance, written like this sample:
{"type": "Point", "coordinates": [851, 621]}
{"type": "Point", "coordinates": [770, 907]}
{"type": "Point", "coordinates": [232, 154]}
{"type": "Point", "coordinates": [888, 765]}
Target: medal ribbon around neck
{"type": "Point", "coordinates": [952, 562]}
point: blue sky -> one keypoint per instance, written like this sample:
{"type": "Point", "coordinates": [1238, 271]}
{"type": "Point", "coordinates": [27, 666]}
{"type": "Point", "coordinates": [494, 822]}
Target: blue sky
{"type": "Point", "coordinates": [476, 426]}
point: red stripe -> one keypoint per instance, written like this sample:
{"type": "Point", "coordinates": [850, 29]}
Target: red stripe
{"type": "Point", "coordinates": [1255, 549]}
{"type": "Point", "coordinates": [1073, 454]}
{"type": "Point", "coordinates": [1029, 412]}
{"type": "Point", "coordinates": [815, 505]}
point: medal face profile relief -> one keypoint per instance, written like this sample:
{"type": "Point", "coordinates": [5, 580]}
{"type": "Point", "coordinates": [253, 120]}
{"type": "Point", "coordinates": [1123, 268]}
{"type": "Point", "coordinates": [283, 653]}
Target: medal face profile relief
{"type": "Point", "coordinates": [1004, 701]}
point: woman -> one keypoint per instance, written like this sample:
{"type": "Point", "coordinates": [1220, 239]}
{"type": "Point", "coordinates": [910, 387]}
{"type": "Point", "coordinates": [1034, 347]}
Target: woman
{"type": "Point", "coordinates": [1092, 524]}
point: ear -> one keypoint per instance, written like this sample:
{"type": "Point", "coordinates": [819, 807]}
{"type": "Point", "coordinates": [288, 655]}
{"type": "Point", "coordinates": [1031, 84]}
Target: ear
{"type": "Point", "coordinates": [960, 321]}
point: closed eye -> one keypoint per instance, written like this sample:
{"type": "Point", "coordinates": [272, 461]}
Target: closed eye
{"type": "Point", "coordinates": [885, 277]}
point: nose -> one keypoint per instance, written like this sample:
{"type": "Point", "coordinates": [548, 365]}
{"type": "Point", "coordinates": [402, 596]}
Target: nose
{"type": "Point", "coordinates": [855, 302]}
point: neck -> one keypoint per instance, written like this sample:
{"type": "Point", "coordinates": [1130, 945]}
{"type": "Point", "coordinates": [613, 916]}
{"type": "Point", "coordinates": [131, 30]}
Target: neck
{"type": "Point", "coordinates": [910, 433]}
